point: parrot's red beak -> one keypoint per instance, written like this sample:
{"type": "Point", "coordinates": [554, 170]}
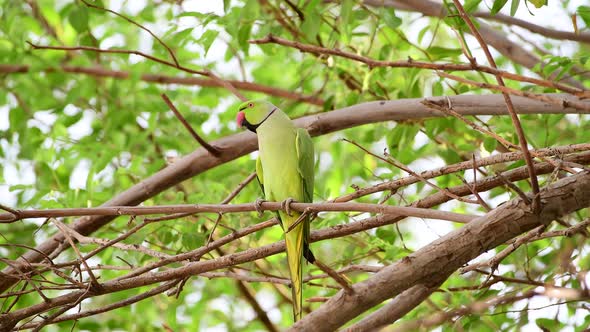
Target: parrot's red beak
{"type": "Point", "coordinates": [240, 118]}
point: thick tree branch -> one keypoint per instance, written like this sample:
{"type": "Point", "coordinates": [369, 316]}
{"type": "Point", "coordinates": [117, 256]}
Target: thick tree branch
{"type": "Point", "coordinates": [445, 255]}
{"type": "Point", "coordinates": [243, 143]}
{"type": "Point", "coordinates": [395, 309]}
{"type": "Point", "coordinates": [139, 278]}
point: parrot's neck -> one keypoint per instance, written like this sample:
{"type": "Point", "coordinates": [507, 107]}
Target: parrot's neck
{"type": "Point", "coordinates": [276, 124]}
{"type": "Point", "coordinates": [276, 134]}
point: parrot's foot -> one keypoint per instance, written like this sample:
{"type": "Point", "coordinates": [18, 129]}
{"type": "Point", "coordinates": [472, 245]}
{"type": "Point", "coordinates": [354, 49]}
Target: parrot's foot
{"type": "Point", "coordinates": [258, 206]}
{"type": "Point", "coordinates": [286, 205]}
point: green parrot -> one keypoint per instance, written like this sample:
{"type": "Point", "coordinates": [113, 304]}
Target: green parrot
{"type": "Point", "coordinates": [285, 169]}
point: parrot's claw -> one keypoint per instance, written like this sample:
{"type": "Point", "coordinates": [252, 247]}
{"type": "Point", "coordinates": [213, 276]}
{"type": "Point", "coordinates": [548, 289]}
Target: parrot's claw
{"type": "Point", "coordinates": [286, 205]}
{"type": "Point", "coordinates": [258, 206]}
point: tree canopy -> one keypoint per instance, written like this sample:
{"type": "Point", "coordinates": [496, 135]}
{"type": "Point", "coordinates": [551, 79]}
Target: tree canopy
{"type": "Point", "coordinates": [451, 172]}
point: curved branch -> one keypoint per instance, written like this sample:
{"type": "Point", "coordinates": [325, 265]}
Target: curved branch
{"type": "Point", "coordinates": [237, 145]}
{"type": "Point", "coordinates": [448, 169]}
{"type": "Point", "coordinates": [247, 207]}
{"type": "Point", "coordinates": [314, 49]}
{"type": "Point", "coordinates": [165, 79]}
{"type": "Point", "coordinates": [444, 256]}
{"type": "Point", "coordinates": [496, 39]}
{"type": "Point", "coordinates": [395, 309]}
{"type": "Point", "coordinates": [583, 37]}
{"type": "Point", "coordinates": [139, 278]}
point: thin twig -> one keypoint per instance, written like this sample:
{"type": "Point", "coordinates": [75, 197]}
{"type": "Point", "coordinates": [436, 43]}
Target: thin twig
{"type": "Point", "coordinates": [13, 212]}
{"type": "Point", "coordinates": [390, 160]}
{"type": "Point", "coordinates": [172, 55]}
{"type": "Point", "coordinates": [372, 63]}
{"type": "Point", "coordinates": [335, 275]}
{"type": "Point", "coordinates": [512, 186]}
{"type": "Point", "coordinates": [448, 169]}
{"type": "Point", "coordinates": [66, 232]}
{"type": "Point", "coordinates": [213, 150]}
{"type": "Point", "coordinates": [246, 207]}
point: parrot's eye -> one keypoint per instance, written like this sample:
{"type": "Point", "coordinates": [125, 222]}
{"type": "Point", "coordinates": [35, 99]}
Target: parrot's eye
{"type": "Point", "coordinates": [250, 105]}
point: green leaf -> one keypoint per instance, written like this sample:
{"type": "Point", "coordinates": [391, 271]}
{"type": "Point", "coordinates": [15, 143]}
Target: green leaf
{"type": "Point", "coordinates": [385, 234]}
{"type": "Point", "coordinates": [390, 19]}
{"type": "Point", "coordinates": [548, 324]}
{"type": "Point", "coordinates": [584, 13]}
{"type": "Point", "coordinates": [497, 6]}
{"type": "Point", "coordinates": [345, 16]}
{"type": "Point", "coordinates": [244, 36]}
{"type": "Point", "coordinates": [471, 5]}
{"type": "Point", "coordinates": [514, 7]}
{"type": "Point", "coordinates": [181, 37]}
{"type": "Point", "coordinates": [438, 52]}
{"type": "Point", "coordinates": [18, 187]}
{"type": "Point", "coordinates": [538, 3]}
{"type": "Point", "coordinates": [311, 25]}
{"type": "Point", "coordinates": [193, 240]}
{"type": "Point", "coordinates": [208, 38]}
{"type": "Point", "coordinates": [79, 18]}
{"type": "Point", "coordinates": [17, 119]}
{"type": "Point", "coordinates": [490, 144]}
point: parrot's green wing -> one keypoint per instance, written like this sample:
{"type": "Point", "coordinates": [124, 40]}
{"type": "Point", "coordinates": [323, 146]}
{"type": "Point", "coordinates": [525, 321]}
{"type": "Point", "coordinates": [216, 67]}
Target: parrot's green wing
{"type": "Point", "coordinates": [259, 173]}
{"type": "Point", "coordinates": [305, 155]}
{"type": "Point", "coordinates": [306, 167]}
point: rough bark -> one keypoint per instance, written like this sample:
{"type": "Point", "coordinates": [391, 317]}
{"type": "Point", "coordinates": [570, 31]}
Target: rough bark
{"type": "Point", "coordinates": [445, 255]}
{"type": "Point", "coordinates": [145, 278]}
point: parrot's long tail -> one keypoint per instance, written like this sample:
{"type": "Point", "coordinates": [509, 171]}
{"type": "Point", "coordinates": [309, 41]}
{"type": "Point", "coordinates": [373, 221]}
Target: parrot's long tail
{"type": "Point", "coordinates": [295, 244]}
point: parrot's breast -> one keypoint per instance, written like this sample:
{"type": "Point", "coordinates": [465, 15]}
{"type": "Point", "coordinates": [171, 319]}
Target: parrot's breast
{"type": "Point", "coordinates": [278, 155]}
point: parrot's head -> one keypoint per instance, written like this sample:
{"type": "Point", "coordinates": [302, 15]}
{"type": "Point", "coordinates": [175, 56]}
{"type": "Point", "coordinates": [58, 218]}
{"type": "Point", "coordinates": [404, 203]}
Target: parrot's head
{"type": "Point", "coordinates": [253, 113]}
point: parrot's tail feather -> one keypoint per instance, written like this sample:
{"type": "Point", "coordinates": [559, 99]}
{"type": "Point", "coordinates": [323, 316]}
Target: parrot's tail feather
{"type": "Point", "coordinates": [308, 254]}
{"type": "Point", "coordinates": [294, 242]}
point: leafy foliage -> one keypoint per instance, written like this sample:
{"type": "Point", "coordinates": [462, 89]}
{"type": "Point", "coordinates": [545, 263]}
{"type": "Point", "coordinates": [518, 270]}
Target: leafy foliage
{"type": "Point", "coordinates": [79, 127]}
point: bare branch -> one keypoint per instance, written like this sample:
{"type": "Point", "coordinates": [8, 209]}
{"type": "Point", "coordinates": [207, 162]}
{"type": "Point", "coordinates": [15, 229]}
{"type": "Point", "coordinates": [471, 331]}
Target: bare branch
{"type": "Point", "coordinates": [395, 309]}
{"type": "Point", "coordinates": [213, 150]}
{"type": "Point", "coordinates": [448, 169]}
{"type": "Point", "coordinates": [249, 207]}
{"type": "Point", "coordinates": [372, 63]}
{"type": "Point", "coordinates": [509, 105]}
{"type": "Point", "coordinates": [164, 79]}
{"type": "Point", "coordinates": [445, 255]}
{"type": "Point", "coordinates": [579, 36]}
{"type": "Point", "coordinates": [240, 144]}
